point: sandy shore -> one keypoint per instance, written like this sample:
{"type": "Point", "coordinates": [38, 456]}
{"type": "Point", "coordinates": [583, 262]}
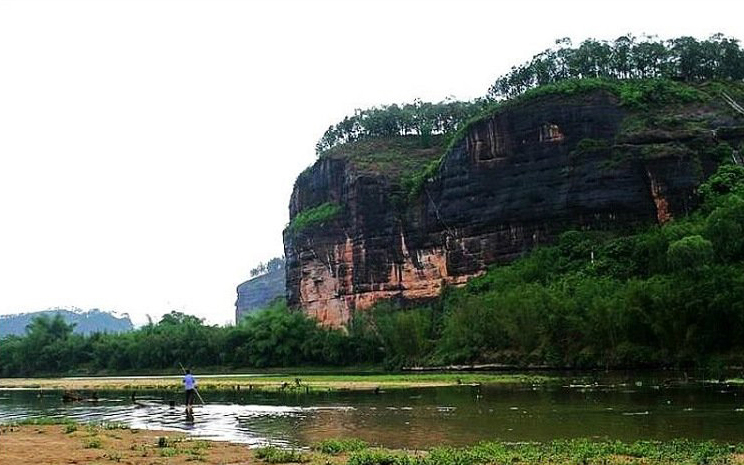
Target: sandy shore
{"type": "Point", "coordinates": [289, 382]}
{"type": "Point", "coordinates": [88, 444]}
{"type": "Point", "coordinates": [56, 444]}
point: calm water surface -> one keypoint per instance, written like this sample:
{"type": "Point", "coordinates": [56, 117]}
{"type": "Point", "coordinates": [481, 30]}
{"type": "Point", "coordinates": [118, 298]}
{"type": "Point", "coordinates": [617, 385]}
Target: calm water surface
{"type": "Point", "coordinates": [422, 417]}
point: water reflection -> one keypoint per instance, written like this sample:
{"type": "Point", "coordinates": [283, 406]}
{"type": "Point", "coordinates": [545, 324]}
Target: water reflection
{"type": "Point", "coordinates": [416, 417]}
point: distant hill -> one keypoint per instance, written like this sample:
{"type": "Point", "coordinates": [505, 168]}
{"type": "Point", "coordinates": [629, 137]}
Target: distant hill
{"type": "Point", "coordinates": [86, 321]}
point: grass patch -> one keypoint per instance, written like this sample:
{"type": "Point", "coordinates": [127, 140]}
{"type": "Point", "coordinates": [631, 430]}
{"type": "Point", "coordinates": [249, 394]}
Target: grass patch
{"type": "Point", "coordinates": [273, 454]}
{"type": "Point", "coordinates": [92, 443]}
{"type": "Point", "coordinates": [71, 428]}
{"type": "Point", "coordinates": [398, 380]}
{"type": "Point", "coordinates": [168, 452]}
{"type": "Point", "coordinates": [314, 216]}
{"type": "Point", "coordinates": [385, 457]}
{"type": "Point", "coordinates": [338, 446]}
{"type": "Point", "coordinates": [559, 452]}
{"type": "Point", "coordinates": [44, 421]}
{"type": "Point", "coordinates": [395, 157]}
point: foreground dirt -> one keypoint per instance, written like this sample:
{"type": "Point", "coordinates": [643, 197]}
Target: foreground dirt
{"type": "Point", "coordinates": [55, 444]}
{"type": "Point", "coordinates": [92, 444]}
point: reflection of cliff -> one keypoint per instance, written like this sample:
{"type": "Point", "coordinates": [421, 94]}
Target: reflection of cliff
{"type": "Point", "coordinates": [258, 292]}
{"type": "Point", "coordinates": [514, 181]}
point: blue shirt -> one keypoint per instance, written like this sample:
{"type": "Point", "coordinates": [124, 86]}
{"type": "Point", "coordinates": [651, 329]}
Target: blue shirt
{"type": "Point", "coordinates": [189, 381]}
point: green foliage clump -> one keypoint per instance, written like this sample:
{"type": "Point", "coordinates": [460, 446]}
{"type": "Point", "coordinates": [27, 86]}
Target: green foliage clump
{"type": "Point", "coordinates": [273, 454]}
{"type": "Point", "coordinates": [689, 253]}
{"type": "Point", "coordinates": [314, 216]}
{"type": "Point", "coordinates": [641, 94]}
{"type": "Point", "coordinates": [338, 446]}
{"type": "Point", "coordinates": [729, 179]}
{"type": "Point", "coordinates": [92, 443]}
{"type": "Point", "coordinates": [45, 421]}
{"type": "Point", "coordinates": [380, 457]}
{"type": "Point", "coordinates": [414, 183]}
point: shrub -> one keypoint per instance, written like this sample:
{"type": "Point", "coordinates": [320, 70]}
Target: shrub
{"type": "Point", "coordinates": [314, 216]}
{"type": "Point", "coordinates": [338, 446]}
{"type": "Point", "coordinates": [273, 454]}
{"type": "Point", "coordinates": [380, 457]}
{"type": "Point", "coordinates": [92, 443]}
{"type": "Point", "coordinates": [690, 253]}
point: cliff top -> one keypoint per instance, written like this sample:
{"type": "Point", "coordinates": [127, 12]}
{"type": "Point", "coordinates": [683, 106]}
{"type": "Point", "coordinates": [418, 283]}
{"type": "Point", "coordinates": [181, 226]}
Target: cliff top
{"type": "Point", "coordinates": [398, 158]}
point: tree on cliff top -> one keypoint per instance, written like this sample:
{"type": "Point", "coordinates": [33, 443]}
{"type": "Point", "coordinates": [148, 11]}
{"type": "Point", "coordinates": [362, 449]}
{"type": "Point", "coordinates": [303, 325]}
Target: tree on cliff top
{"type": "Point", "coordinates": [627, 57]}
{"type": "Point", "coordinates": [274, 264]}
{"type": "Point", "coordinates": [411, 119]}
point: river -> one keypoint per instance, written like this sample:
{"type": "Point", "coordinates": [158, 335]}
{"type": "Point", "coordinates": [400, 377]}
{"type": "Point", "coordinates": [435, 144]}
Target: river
{"type": "Point", "coordinates": [419, 417]}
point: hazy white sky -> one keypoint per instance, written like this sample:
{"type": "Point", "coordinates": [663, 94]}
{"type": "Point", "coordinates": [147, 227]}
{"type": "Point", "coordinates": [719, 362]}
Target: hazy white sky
{"type": "Point", "coordinates": [148, 148]}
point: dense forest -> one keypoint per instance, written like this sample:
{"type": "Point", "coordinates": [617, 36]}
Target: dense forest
{"type": "Point", "coordinates": [664, 296]}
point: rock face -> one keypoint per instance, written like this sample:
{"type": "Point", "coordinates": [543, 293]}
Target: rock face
{"type": "Point", "coordinates": [258, 292]}
{"type": "Point", "coordinates": [516, 180]}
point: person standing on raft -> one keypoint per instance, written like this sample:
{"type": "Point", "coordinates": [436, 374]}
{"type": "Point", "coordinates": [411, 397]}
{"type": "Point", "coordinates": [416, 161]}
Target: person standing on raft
{"type": "Point", "coordinates": [189, 383]}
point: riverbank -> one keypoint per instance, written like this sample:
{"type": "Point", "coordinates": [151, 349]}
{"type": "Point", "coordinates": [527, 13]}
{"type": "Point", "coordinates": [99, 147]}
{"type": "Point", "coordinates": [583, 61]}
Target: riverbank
{"type": "Point", "coordinates": [76, 443]}
{"type": "Point", "coordinates": [68, 442]}
{"type": "Point", "coordinates": [278, 381]}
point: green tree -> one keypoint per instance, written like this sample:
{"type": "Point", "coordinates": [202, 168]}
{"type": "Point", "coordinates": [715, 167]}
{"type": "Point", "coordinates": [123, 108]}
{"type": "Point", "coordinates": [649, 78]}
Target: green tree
{"type": "Point", "coordinates": [690, 253]}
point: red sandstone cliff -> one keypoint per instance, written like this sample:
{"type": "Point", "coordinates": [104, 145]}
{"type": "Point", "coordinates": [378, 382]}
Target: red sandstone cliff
{"type": "Point", "coordinates": [515, 180]}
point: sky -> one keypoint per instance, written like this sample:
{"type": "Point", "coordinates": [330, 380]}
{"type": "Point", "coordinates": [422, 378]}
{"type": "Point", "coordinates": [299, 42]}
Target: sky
{"type": "Point", "coordinates": [148, 149]}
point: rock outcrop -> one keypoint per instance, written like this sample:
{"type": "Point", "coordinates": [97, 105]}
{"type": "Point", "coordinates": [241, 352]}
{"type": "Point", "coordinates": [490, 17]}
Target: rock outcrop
{"type": "Point", "coordinates": [258, 292]}
{"type": "Point", "coordinates": [516, 180]}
